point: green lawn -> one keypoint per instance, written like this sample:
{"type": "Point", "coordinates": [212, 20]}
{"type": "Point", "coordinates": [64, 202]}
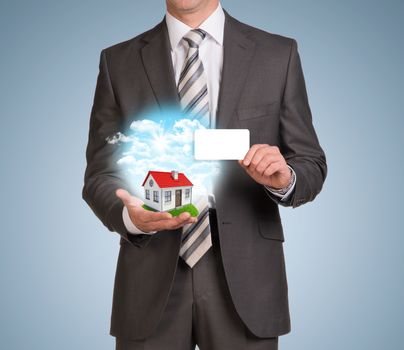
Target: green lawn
{"type": "Point", "coordinates": [190, 208]}
{"type": "Point", "coordinates": [148, 208]}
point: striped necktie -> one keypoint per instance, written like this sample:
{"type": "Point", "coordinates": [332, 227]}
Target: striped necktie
{"type": "Point", "coordinates": [196, 237]}
{"type": "Point", "coordinates": [192, 84]}
{"type": "Point", "coordinates": [193, 94]}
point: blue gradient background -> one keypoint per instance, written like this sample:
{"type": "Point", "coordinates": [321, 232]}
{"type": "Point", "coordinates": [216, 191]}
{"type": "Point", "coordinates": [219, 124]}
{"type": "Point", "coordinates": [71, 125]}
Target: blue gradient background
{"type": "Point", "coordinates": [344, 251]}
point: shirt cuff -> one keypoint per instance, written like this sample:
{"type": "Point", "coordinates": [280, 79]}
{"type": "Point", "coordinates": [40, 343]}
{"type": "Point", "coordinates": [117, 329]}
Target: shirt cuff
{"type": "Point", "coordinates": [284, 193]}
{"type": "Point", "coordinates": [130, 226]}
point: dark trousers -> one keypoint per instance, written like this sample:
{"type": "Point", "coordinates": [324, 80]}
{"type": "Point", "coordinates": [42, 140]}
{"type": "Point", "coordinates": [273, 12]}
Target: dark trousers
{"type": "Point", "coordinates": [200, 311]}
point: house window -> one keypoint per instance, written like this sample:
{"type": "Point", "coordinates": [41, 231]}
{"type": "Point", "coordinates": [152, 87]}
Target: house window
{"type": "Point", "coordinates": [167, 196]}
{"type": "Point", "coordinates": [187, 192]}
{"type": "Point", "coordinates": [147, 194]}
{"type": "Point", "coordinates": [156, 196]}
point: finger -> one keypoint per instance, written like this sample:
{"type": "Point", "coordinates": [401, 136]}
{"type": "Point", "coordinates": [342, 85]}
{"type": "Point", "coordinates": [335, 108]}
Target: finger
{"type": "Point", "coordinates": [249, 155]}
{"type": "Point", "coordinates": [258, 156]}
{"type": "Point", "coordinates": [270, 151]}
{"type": "Point", "coordinates": [170, 224]}
{"type": "Point", "coordinates": [266, 160]}
{"type": "Point", "coordinates": [147, 216]}
{"type": "Point", "coordinates": [123, 195]}
{"type": "Point", "coordinates": [159, 225]}
{"type": "Point", "coordinates": [189, 221]}
{"type": "Point", "coordinates": [261, 152]}
{"type": "Point", "coordinates": [184, 216]}
{"type": "Point", "coordinates": [241, 162]}
{"type": "Point", "coordinates": [181, 220]}
{"type": "Point", "coordinates": [127, 199]}
{"type": "Point", "coordinates": [275, 149]}
{"type": "Point", "coordinates": [272, 169]}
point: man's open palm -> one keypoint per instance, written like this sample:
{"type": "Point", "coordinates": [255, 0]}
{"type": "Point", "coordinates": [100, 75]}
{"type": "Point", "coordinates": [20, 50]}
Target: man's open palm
{"type": "Point", "coordinates": [147, 220]}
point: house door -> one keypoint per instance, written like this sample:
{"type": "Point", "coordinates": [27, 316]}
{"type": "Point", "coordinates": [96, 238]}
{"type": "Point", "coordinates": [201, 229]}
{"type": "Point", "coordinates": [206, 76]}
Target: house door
{"type": "Point", "coordinates": [178, 197]}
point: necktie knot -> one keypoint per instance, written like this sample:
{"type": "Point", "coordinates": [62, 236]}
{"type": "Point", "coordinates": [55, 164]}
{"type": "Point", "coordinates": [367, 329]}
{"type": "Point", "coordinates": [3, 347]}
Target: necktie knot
{"type": "Point", "coordinates": [194, 37]}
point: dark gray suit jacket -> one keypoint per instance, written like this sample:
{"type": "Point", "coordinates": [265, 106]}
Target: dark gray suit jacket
{"type": "Point", "coordinates": [262, 89]}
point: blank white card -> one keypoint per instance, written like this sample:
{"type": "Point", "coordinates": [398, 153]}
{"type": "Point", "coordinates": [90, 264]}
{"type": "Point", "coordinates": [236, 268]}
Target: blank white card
{"type": "Point", "coordinates": [221, 144]}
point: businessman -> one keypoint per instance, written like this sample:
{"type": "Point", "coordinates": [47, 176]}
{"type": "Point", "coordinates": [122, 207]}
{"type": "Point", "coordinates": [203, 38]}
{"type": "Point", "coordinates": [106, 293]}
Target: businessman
{"type": "Point", "coordinates": [217, 281]}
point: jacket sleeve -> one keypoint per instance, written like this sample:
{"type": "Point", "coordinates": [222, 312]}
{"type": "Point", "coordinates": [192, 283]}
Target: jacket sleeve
{"type": "Point", "coordinates": [102, 175]}
{"type": "Point", "coordinates": [298, 140]}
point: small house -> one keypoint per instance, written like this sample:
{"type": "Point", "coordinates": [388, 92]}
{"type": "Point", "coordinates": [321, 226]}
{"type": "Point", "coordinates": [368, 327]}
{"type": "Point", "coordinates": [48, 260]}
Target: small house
{"type": "Point", "coordinates": [166, 190]}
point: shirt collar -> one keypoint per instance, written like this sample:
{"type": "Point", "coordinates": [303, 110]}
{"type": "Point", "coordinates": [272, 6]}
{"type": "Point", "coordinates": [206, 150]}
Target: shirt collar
{"type": "Point", "coordinates": [213, 25]}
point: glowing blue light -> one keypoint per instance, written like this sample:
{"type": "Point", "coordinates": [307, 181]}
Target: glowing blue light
{"type": "Point", "coordinates": [163, 141]}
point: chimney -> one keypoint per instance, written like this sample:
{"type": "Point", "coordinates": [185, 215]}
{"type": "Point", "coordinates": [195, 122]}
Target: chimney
{"type": "Point", "coordinates": [174, 174]}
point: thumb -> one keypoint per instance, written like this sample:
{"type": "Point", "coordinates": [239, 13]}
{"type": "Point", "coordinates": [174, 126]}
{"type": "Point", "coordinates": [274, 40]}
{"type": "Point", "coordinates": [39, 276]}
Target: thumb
{"type": "Point", "coordinates": [127, 199]}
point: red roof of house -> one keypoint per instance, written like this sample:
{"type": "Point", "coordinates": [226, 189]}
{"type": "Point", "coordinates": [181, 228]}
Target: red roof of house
{"type": "Point", "coordinates": [164, 179]}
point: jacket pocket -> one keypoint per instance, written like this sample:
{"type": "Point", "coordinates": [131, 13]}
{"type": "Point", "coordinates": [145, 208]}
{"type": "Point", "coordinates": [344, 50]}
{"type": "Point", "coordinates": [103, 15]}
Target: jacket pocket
{"type": "Point", "coordinates": [258, 111]}
{"type": "Point", "coordinates": [271, 229]}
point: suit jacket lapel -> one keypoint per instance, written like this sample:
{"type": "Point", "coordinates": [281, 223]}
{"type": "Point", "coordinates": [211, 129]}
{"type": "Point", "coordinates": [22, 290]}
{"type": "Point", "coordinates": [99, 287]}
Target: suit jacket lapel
{"type": "Point", "coordinates": [237, 57]}
{"type": "Point", "coordinates": [156, 56]}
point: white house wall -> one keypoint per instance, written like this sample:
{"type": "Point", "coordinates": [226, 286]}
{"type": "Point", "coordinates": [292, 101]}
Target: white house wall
{"type": "Point", "coordinates": [162, 206]}
{"type": "Point", "coordinates": [150, 202]}
{"type": "Point", "coordinates": [188, 200]}
{"type": "Point", "coordinates": [170, 205]}
{"type": "Point", "coordinates": [184, 201]}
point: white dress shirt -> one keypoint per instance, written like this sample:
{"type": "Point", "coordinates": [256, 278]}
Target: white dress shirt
{"type": "Point", "coordinates": [211, 55]}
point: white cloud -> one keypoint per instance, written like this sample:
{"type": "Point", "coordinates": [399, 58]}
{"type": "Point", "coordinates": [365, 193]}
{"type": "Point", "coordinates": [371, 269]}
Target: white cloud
{"type": "Point", "coordinates": [118, 137]}
{"type": "Point", "coordinates": [152, 145]}
{"type": "Point", "coordinates": [146, 126]}
{"type": "Point", "coordinates": [126, 160]}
